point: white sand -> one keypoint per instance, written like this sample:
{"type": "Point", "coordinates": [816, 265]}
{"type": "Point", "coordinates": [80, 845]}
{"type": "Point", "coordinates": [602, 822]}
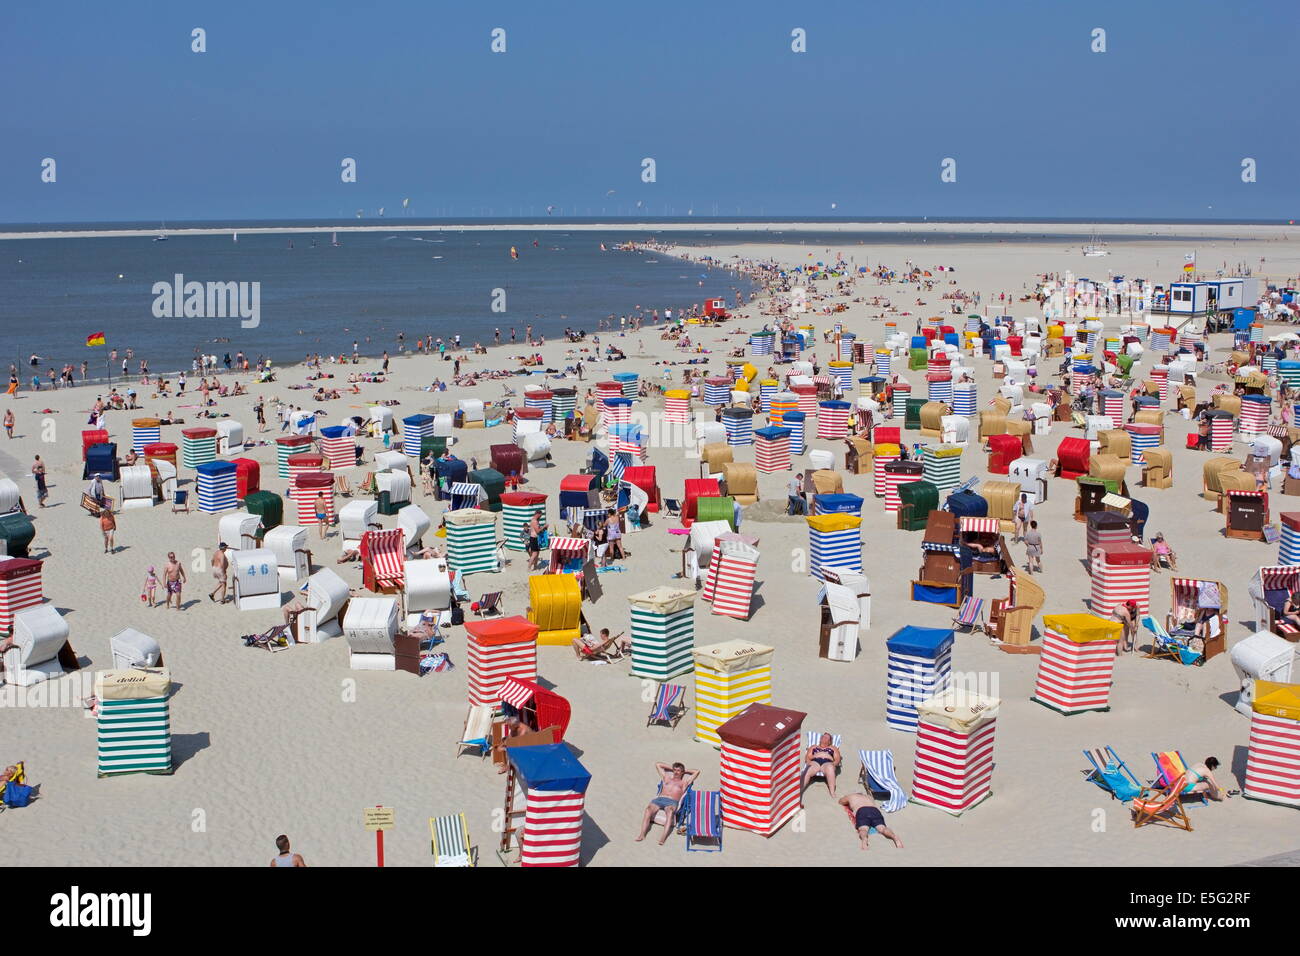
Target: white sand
{"type": "Point", "coordinates": [266, 743]}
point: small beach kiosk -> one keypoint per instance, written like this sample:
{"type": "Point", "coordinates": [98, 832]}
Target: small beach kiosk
{"type": "Point", "coordinates": [495, 650]}
{"type": "Point", "coordinates": [760, 767]}
{"type": "Point", "coordinates": [663, 632]}
{"type": "Point", "coordinates": [919, 666]}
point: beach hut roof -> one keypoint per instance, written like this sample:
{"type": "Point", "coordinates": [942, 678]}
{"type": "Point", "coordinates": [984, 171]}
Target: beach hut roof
{"type": "Point", "coordinates": [549, 767]}
{"type": "Point", "coordinates": [920, 641]}
{"type": "Point", "coordinates": [761, 726]}
{"type": "Point", "coordinates": [502, 630]}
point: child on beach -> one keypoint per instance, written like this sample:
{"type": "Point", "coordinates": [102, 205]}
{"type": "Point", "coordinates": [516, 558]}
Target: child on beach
{"type": "Point", "coordinates": [150, 590]}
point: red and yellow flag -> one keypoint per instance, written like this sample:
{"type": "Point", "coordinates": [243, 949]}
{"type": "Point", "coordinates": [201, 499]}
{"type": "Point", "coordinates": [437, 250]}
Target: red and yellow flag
{"type": "Point", "coordinates": [95, 338]}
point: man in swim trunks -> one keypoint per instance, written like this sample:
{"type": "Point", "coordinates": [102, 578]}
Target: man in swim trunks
{"type": "Point", "coordinates": [865, 814]}
{"type": "Point", "coordinates": [824, 758]}
{"type": "Point", "coordinates": [675, 781]}
{"type": "Point", "coordinates": [173, 579]}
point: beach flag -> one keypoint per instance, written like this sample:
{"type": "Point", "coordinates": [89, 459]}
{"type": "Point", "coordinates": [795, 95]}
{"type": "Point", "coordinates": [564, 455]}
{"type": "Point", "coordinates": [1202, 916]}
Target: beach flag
{"type": "Point", "coordinates": [1189, 262]}
{"type": "Point", "coordinates": [94, 338]}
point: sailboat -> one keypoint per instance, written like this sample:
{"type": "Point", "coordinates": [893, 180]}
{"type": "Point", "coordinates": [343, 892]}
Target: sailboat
{"type": "Point", "coordinates": [1094, 247]}
{"type": "Point", "coordinates": [162, 235]}
{"type": "Point", "coordinates": [234, 236]}
{"type": "Point", "coordinates": [334, 239]}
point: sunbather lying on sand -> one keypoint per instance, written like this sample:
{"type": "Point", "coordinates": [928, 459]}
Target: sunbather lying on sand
{"type": "Point", "coordinates": [865, 814]}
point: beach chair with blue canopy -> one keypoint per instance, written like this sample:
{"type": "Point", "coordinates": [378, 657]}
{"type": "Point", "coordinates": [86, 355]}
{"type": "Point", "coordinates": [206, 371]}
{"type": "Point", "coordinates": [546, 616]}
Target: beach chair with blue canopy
{"type": "Point", "coordinates": [465, 494]}
{"type": "Point", "coordinates": [879, 779]}
{"type": "Point", "coordinates": [599, 463]}
{"type": "Point", "coordinates": [1112, 774]}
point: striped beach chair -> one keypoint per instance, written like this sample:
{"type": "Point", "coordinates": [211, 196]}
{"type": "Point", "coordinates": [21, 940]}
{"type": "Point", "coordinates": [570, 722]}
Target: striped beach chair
{"type": "Point", "coordinates": [383, 560]}
{"type": "Point", "coordinates": [464, 494]}
{"type": "Point", "coordinates": [669, 706]}
{"type": "Point", "coordinates": [970, 617]}
{"type": "Point", "coordinates": [811, 739]}
{"type": "Point", "coordinates": [877, 776]}
{"type": "Point", "coordinates": [1170, 766]}
{"type": "Point", "coordinates": [704, 828]}
{"type": "Point", "coordinates": [450, 838]}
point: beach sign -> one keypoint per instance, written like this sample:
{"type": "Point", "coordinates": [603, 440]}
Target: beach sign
{"type": "Point", "coordinates": [379, 819]}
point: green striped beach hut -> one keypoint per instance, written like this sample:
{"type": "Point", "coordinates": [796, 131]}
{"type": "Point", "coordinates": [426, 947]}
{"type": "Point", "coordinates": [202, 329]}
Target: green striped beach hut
{"type": "Point", "coordinates": [471, 540]}
{"type": "Point", "coordinates": [663, 632]}
{"type": "Point", "coordinates": [134, 724]}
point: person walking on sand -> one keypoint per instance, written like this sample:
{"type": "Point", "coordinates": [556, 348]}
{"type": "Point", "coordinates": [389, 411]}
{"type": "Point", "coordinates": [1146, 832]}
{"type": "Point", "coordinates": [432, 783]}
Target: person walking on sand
{"type": "Point", "coordinates": [286, 856]}
{"type": "Point", "coordinates": [865, 814]}
{"type": "Point", "coordinates": [38, 473]}
{"type": "Point", "coordinates": [1033, 539]}
{"type": "Point", "coordinates": [9, 422]}
{"type": "Point", "coordinates": [173, 579]}
{"type": "Point", "coordinates": [148, 594]}
{"type": "Point", "coordinates": [220, 568]}
{"type": "Point", "coordinates": [108, 525]}
{"type": "Point", "coordinates": [322, 515]}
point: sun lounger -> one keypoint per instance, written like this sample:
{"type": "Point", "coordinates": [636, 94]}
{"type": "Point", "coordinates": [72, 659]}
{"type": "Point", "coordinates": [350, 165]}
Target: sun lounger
{"type": "Point", "coordinates": [1155, 804]}
{"type": "Point", "coordinates": [1113, 775]}
{"type": "Point", "coordinates": [1165, 645]}
{"type": "Point", "coordinates": [488, 603]}
{"type": "Point", "coordinates": [704, 826]}
{"type": "Point", "coordinates": [672, 507]}
{"type": "Point", "coordinates": [878, 778]}
{"type": "Point", "coordinates": [450, 836]}
{"type": "Point", "coordinates": [669, 705]}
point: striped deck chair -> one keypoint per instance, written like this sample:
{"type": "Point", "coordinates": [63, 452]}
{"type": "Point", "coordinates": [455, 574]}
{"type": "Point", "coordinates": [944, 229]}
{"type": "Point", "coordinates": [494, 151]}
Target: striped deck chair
{"type": "Point", "coordinates": [1161, 803]}
{"type": "Point", "coordinates": [383, 560]}
{"type": "Point", "coordinates": [970, 617]}
{"type": "Point", "coordinates": [672, 508]}
{"type": "Point", "coordinates": [489, 602]}
{"type": "Point", "coordinates": [1112, 774]}
{"type": "Point", "coordinates": [669, 706]}
{"type": "Point", "coordinates": [704, 829]}
{"type": "Point", "coordinates": [477, 731]}
{"type": "Point", "coordinates": [878, 778]}
{"type": "Point", "coordinates": [450, 838]}
{"type": "Point", "coordinates": [1164, 644]}
{"type": "Point", "coordinates": [1170, 765]}
{"type": "Point", "coordinates": [811, 739]}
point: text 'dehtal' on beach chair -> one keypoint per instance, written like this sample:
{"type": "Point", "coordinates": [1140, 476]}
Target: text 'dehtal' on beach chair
{"type": "Point", "coordinates": [879, 779]}
{"type": "Point", "coordinates": [1112, 774]}
{"type": "Point", "coordinates": [669, 705]}
{"type": "Point", "coordinates": [450, 839]}
{"type": "Point", "coordinates": [1161, 805]}
{"type": "Point", "coordinates": [704, 826]}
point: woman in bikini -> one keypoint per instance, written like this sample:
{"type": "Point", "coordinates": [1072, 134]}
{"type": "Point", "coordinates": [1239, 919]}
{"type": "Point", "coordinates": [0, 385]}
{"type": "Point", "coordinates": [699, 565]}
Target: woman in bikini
{"type": "Point", "coordinates": [823, 758]}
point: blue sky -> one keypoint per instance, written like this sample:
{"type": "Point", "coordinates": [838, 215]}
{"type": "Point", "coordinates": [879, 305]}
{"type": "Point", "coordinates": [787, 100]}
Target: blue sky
{"type": "Point", "coordinates": [144, 129]}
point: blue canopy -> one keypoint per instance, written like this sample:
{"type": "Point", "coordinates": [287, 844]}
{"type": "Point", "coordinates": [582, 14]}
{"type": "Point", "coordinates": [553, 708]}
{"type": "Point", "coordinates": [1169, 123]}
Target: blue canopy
{"type": "Point", "coordinates": [839, 504]}
{"type": "Point", "coordinates": [920, 641]}
{"type": "Point", "coordinates": [334, 431]}
{"type": "Point", "coordinates": [417, 420]}
{"type": "Point", "coordinates": [772, 433]}
{"type": "Point", "coordinates": [599, 463]}
{"type": "Point", "coordinates": [551, 767]}
{"type": "Point", "coordinates": [967, 504]}
{"type": "Point", "coordinates": [452, 469]}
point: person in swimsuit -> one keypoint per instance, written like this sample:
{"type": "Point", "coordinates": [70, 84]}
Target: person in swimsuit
{"type": "Point", "coordinates": [534, 545]}
{"type": "Point", "coordinates": [173, 579]}
{"type": "Point", "coordinates": [286, 857]}
{"type": "Point", "coordinates": [823, 758]}
{"type": "Point", "coordinates": [220, 566]}
{"type": "Point", "coordinates": [1200, 777]}
{"type": "Point", "coordinates": [1127, 615]}
{"type": "Point", "coordinates": [150, 589]}
{"type": "Point", "coordinates": [322, 515]}
{"type": "Point", "coordinates": [676, 779]}
{"type": "Point", "coordinates": [865, 814]}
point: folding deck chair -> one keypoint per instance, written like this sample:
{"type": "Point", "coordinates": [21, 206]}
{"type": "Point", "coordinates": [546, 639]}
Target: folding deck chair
{"type": "Point", "coordinates": [704, 828]}
{"type": "Point", "coordinates": [1163, 644]}
{"type": "Point", "coordinates": [604, 652]}
{"type": "Point", "coordinates": [669, 706]}
{"type": "Point", "coordinates": [1154, 804]}
{"type": "Point", "coordinates": [878, 778]}
{"type": "Point", "coordinates": [477, 731]}
{"type": "Point", "coordinates": [672, 507]}
{"type": "Point", "coordinates": [489, 602]}
{"type": "Point", "coordinates": [971, 615]}
{"type": "Point", "coordinates": [1170, 765]}
{"type": "Point", "coordinates": [681, 812]}
{"type": "Point", "coordinates": [450, 838]}
{"type": "Point", "coordinates": [180, 501]}
{"type": "Point", "coordinates": [1112, 774]}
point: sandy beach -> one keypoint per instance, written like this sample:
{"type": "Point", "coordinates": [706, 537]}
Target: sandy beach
{"type": "Point", "coordinates": [295, 742]}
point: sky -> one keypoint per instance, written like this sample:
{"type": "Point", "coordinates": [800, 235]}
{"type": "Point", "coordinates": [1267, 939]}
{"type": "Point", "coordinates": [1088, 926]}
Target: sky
{"type": "Point", "coordinates": [141, 128]}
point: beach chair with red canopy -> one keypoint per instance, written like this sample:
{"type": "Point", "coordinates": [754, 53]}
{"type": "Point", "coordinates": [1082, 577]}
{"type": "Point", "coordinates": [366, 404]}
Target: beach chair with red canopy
{"type": "Point", "coordinates": [537, 706]}
{"type": "Point", "coordinates": [383, 560]}
{"type": "Point", "coordinates": [697, 488]}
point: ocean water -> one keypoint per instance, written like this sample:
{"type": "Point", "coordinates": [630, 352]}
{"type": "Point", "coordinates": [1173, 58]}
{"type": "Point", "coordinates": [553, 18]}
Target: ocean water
{"type": "Point", "coordinates": [54, 292]}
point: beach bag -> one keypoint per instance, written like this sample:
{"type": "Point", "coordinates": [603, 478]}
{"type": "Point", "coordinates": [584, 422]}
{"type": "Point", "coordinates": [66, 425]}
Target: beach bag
{"type": "Point", "coordinates": [17, 795]}
{"type": "Point", "coordinates": [457, 615]}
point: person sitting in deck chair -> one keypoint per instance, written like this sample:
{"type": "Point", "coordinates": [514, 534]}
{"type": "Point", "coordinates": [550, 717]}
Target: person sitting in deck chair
{"type": "Point", "coordinates": [592, 648]}
{"type": "Point", "coordinates": [675, 781]}
{"type": "Point", "coordinates": [1161, 552]}
{"type": "Point", "coordinates": [1291, 610]}
{"type": "Point", "coordinates": [824, 758]}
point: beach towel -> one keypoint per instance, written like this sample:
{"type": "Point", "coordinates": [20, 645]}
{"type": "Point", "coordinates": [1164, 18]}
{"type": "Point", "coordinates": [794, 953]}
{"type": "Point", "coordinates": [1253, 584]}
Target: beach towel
{"type": "Point", "coordinates": [879, 765]}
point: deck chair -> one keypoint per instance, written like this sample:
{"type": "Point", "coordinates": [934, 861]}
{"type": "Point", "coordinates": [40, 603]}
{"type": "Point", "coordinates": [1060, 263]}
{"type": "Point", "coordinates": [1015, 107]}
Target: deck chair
{"type": "Point", "coordinates": [1155, 804]}
{"type": "Point", "coordinates": [180, 501]}
{"type": "Point", "coordinates": [491, 601]}
{"type": "Point", "coordinates": [971, 615]}
{"type": "Point", "coordinates": [681, 812]}
{"type": "Point", "coordinates": [273, 639]}
{"type": "Point", "coordinates": [673, 507]}
{"type": "Point", "coordinates": [458, 589]}
{"type": "Point", "coordinates": [92, 506]}
{"type": "Point", "coordinates": [811, 739]}
{"type": "Point", "coordinates": [669, 706]}
{"type": "Point", "coordinates": [477, 731]}
{"type": "Point", "coordinates": [450, 838]}
{"type": "Point", "coordinates": [604, 652]}
{"type": "Point", "coordinates": [368, 485]}
{"type": "Point", "coordinates": [1112, 774]}
{"type": "Point", "coordinates": [341, 485]}
{"type": "Point", "coordinates": [878, 779]}
{"type": "Point", "coordinates": [1170, 765]}
{"type": "Point", "coordinates": [1165, 645]}
{"type": "Point", "coordinates": [704, 828]}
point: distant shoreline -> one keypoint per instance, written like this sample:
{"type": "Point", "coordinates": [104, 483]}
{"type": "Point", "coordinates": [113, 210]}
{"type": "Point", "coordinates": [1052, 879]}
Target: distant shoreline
{"type": "Point", "coordinates": [1137, 231]}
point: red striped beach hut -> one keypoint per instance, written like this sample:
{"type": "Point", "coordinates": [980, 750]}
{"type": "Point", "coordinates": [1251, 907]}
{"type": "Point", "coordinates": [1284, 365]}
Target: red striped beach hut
{"type": "Point", "coordinates": [497, 649]}
{"type": "Point", "coordinates": [1273, 756]}
{"type": "Point", "coordinates": [1121, 572]}
{"type": "Point", "coordinates": [760, 768]}
{"type": "Point", "coordinates": [1076, 663]}
{"type": "Point", "coordinates": [953, 767]}
{"type": "Point", "coordinates": [554, 786]}
{"type": "Point", "coordinates": [20, 587]}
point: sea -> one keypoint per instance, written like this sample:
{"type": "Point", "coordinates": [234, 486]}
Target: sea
{"type": "Point", "coordinates": [315, 296]}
